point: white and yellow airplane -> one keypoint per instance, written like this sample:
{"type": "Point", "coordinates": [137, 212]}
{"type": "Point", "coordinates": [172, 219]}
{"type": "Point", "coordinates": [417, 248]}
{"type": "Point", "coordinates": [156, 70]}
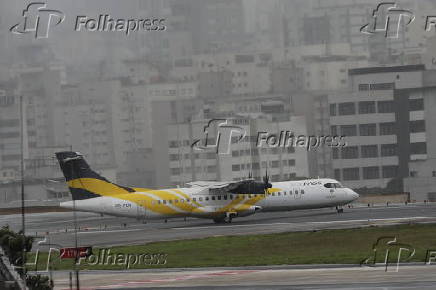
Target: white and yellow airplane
{"type": "Point", "coordinates": [220, 201]}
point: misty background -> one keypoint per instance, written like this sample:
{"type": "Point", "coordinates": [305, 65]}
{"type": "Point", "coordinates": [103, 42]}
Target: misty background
{"type": "Point", "coordinates": [133, 105]}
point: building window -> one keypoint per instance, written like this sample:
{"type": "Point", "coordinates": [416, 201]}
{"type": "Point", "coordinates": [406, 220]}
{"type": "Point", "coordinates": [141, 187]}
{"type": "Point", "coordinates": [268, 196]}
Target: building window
{"type": "Point", "coordinates": [367, 107]}
{"type": "Point", "coordinates": [351, 152]}
{"type": "Point", "coordinates": [332, 109]}
{"type": "Point", "coordinates": [367, 130]}
{"type": "Point", "coordinates": [174, 144]}
{"type": "Point", "coordinates": [382, 86]}
{"type": "Point", "coordinates": [385, 106]}
{"type": "Point", "coordinates": [175, 171]}
{"type": "Point", "coordinates": [418, 148]}
{"type": "Point", "coordinates": [337, 174]}
{"type": "Point", "coordinates": [348, 108]}
{"type": "Point", "coordinates": [335, 153]}
{"type": "Point", "coordinates": [351, 173]}
{"type": "Point", "coordinates": [371, 172]}
{"type": "Point", "coordinates": [369, 151]}
{"type": "Point", "coordinates": [363, 87]}
{"type": "Point", "coordinates": [388, 150]}
{"type": "Point", "coordinates": [348, 130]}
{"type": "Point", "coordinates": [236, 167]}
{"type": "Point", "coordinates": [174, 157]}
{"type": "Point", "coordinates": [416, 105]}
{"type": "Point", "coordinates": [390, 171]}
{"type": "Point", "coordinates": [387, 128]}
{"type": "Point", "coordinates": [334, 130]}
{"type": "Point", "coordinates": [417, 126]}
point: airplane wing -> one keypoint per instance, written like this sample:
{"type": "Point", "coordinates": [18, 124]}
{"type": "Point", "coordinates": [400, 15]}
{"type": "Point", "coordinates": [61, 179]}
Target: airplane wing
{"type": "Point", "coordinates": [246, 186]}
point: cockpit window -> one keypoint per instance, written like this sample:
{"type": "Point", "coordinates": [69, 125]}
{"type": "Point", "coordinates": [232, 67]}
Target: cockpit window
{"type": "Point", "coordinates": [333, 185]}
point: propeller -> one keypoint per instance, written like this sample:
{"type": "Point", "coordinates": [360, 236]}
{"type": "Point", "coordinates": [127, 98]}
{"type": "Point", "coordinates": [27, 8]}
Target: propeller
{"type": "Point", "coordinates": [266, 183]}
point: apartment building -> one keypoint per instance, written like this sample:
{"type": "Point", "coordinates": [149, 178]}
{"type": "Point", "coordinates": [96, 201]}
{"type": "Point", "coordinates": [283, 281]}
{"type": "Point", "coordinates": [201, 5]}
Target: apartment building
{"type": "Point", "coordinates": [243, 157]}
{"type": "Point", "coordinates": [381, 121]}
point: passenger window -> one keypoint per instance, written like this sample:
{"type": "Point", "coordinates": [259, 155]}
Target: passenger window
{"type": "Point", "coordinates": [273, 194]}
{"type": "Point", "coordinates": [158, 202]}
{"type": "Point", "coordinates": [278, 193]}
{"type": "Point", "coordinates": [164, 202]}
{"type": "Point", "coordinates": [225, 197]}
{"type": "Point", "coordinates": [170, 201]}
{"type": "Point", "coordinates": [219, 197]}
{"type": "Point", "coordinates": [207, 198]}
{"type": "Point", "coordinates": [200, 199]}
{"type": "Point", "coordinates": [302, 191]}
{"type": "Point", "coordinates": [284, 192]}
{"type": "Point", "coordinates": [231, 196]}
{"type": "Point", "coordinates": [194, 199]}
{"type": "Point", "coordinates": [296, 191]}
{"type": "Point", "coordinates": [213, 197]}
{"type": "Point", "coordinates": [182, 200]}
{"type": "Point", "coordinates": [176, 201]}
{"type": "Point", "coordinates": [187, 200]}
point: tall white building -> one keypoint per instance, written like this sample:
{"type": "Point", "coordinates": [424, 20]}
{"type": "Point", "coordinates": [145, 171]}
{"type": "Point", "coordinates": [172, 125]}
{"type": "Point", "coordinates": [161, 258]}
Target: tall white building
{"type": "Point", "coordinates": [383, 129]}
{"type": "Point", "coordinates": [243, 158]}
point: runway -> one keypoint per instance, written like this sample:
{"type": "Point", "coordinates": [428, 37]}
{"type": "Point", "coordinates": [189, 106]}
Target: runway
{"type": "Point", "coordinates": [109, 231]}
{"type": "Point", "coordinates": [281, 277]}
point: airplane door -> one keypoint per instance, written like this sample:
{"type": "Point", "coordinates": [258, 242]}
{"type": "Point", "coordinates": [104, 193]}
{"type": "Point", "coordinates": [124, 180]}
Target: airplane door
{"type": "Point", "coordinates": [297, 193]}
{"type": "Point", "coordinates": [140, 210]}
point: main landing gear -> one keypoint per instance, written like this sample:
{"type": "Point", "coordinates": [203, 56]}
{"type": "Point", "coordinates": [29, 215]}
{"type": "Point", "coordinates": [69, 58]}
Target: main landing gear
{"type": "Point", "coordinates": [339, 209]}
{"type": "Point", "coordinates": [227, 219]}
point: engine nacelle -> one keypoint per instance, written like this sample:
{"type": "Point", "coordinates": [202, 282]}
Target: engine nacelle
{"type": "Point", "coordinates": [247, 210]}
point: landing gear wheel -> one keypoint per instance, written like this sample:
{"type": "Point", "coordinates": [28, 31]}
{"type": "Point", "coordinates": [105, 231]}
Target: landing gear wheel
{"type": "Point", "coordinates": [230, 220]}
{"type": "Point", "coordinates": [339, 209]}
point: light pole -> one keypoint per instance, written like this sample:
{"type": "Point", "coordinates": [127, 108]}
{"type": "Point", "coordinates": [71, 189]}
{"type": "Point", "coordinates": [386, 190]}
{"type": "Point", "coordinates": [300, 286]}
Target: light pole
{"type": "Point", "coordinates": [23, 223]}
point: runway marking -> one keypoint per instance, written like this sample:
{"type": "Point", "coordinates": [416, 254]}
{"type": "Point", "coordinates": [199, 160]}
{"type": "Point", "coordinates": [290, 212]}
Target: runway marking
{"type": "Point", "coordinates": [303, 223]}
{"type": "Point", "coordinates": [175, 279]}
{"type": "Point", "coordinates": [109, 231]}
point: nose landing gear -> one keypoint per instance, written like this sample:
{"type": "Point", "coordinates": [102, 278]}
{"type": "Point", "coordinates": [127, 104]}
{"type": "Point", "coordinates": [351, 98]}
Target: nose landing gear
{"type": "Point", "coordinates": [339, 209]}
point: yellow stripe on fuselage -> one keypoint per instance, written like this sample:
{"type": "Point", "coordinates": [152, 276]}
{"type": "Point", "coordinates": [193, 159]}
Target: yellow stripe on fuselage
{"type": "Point", "coordinates": [145, 197]}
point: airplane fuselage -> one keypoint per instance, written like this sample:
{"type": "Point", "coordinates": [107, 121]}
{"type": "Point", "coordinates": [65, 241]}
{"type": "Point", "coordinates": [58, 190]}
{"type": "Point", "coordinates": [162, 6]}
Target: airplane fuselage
{"type": "Point", "coordinates": [200, 202]}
